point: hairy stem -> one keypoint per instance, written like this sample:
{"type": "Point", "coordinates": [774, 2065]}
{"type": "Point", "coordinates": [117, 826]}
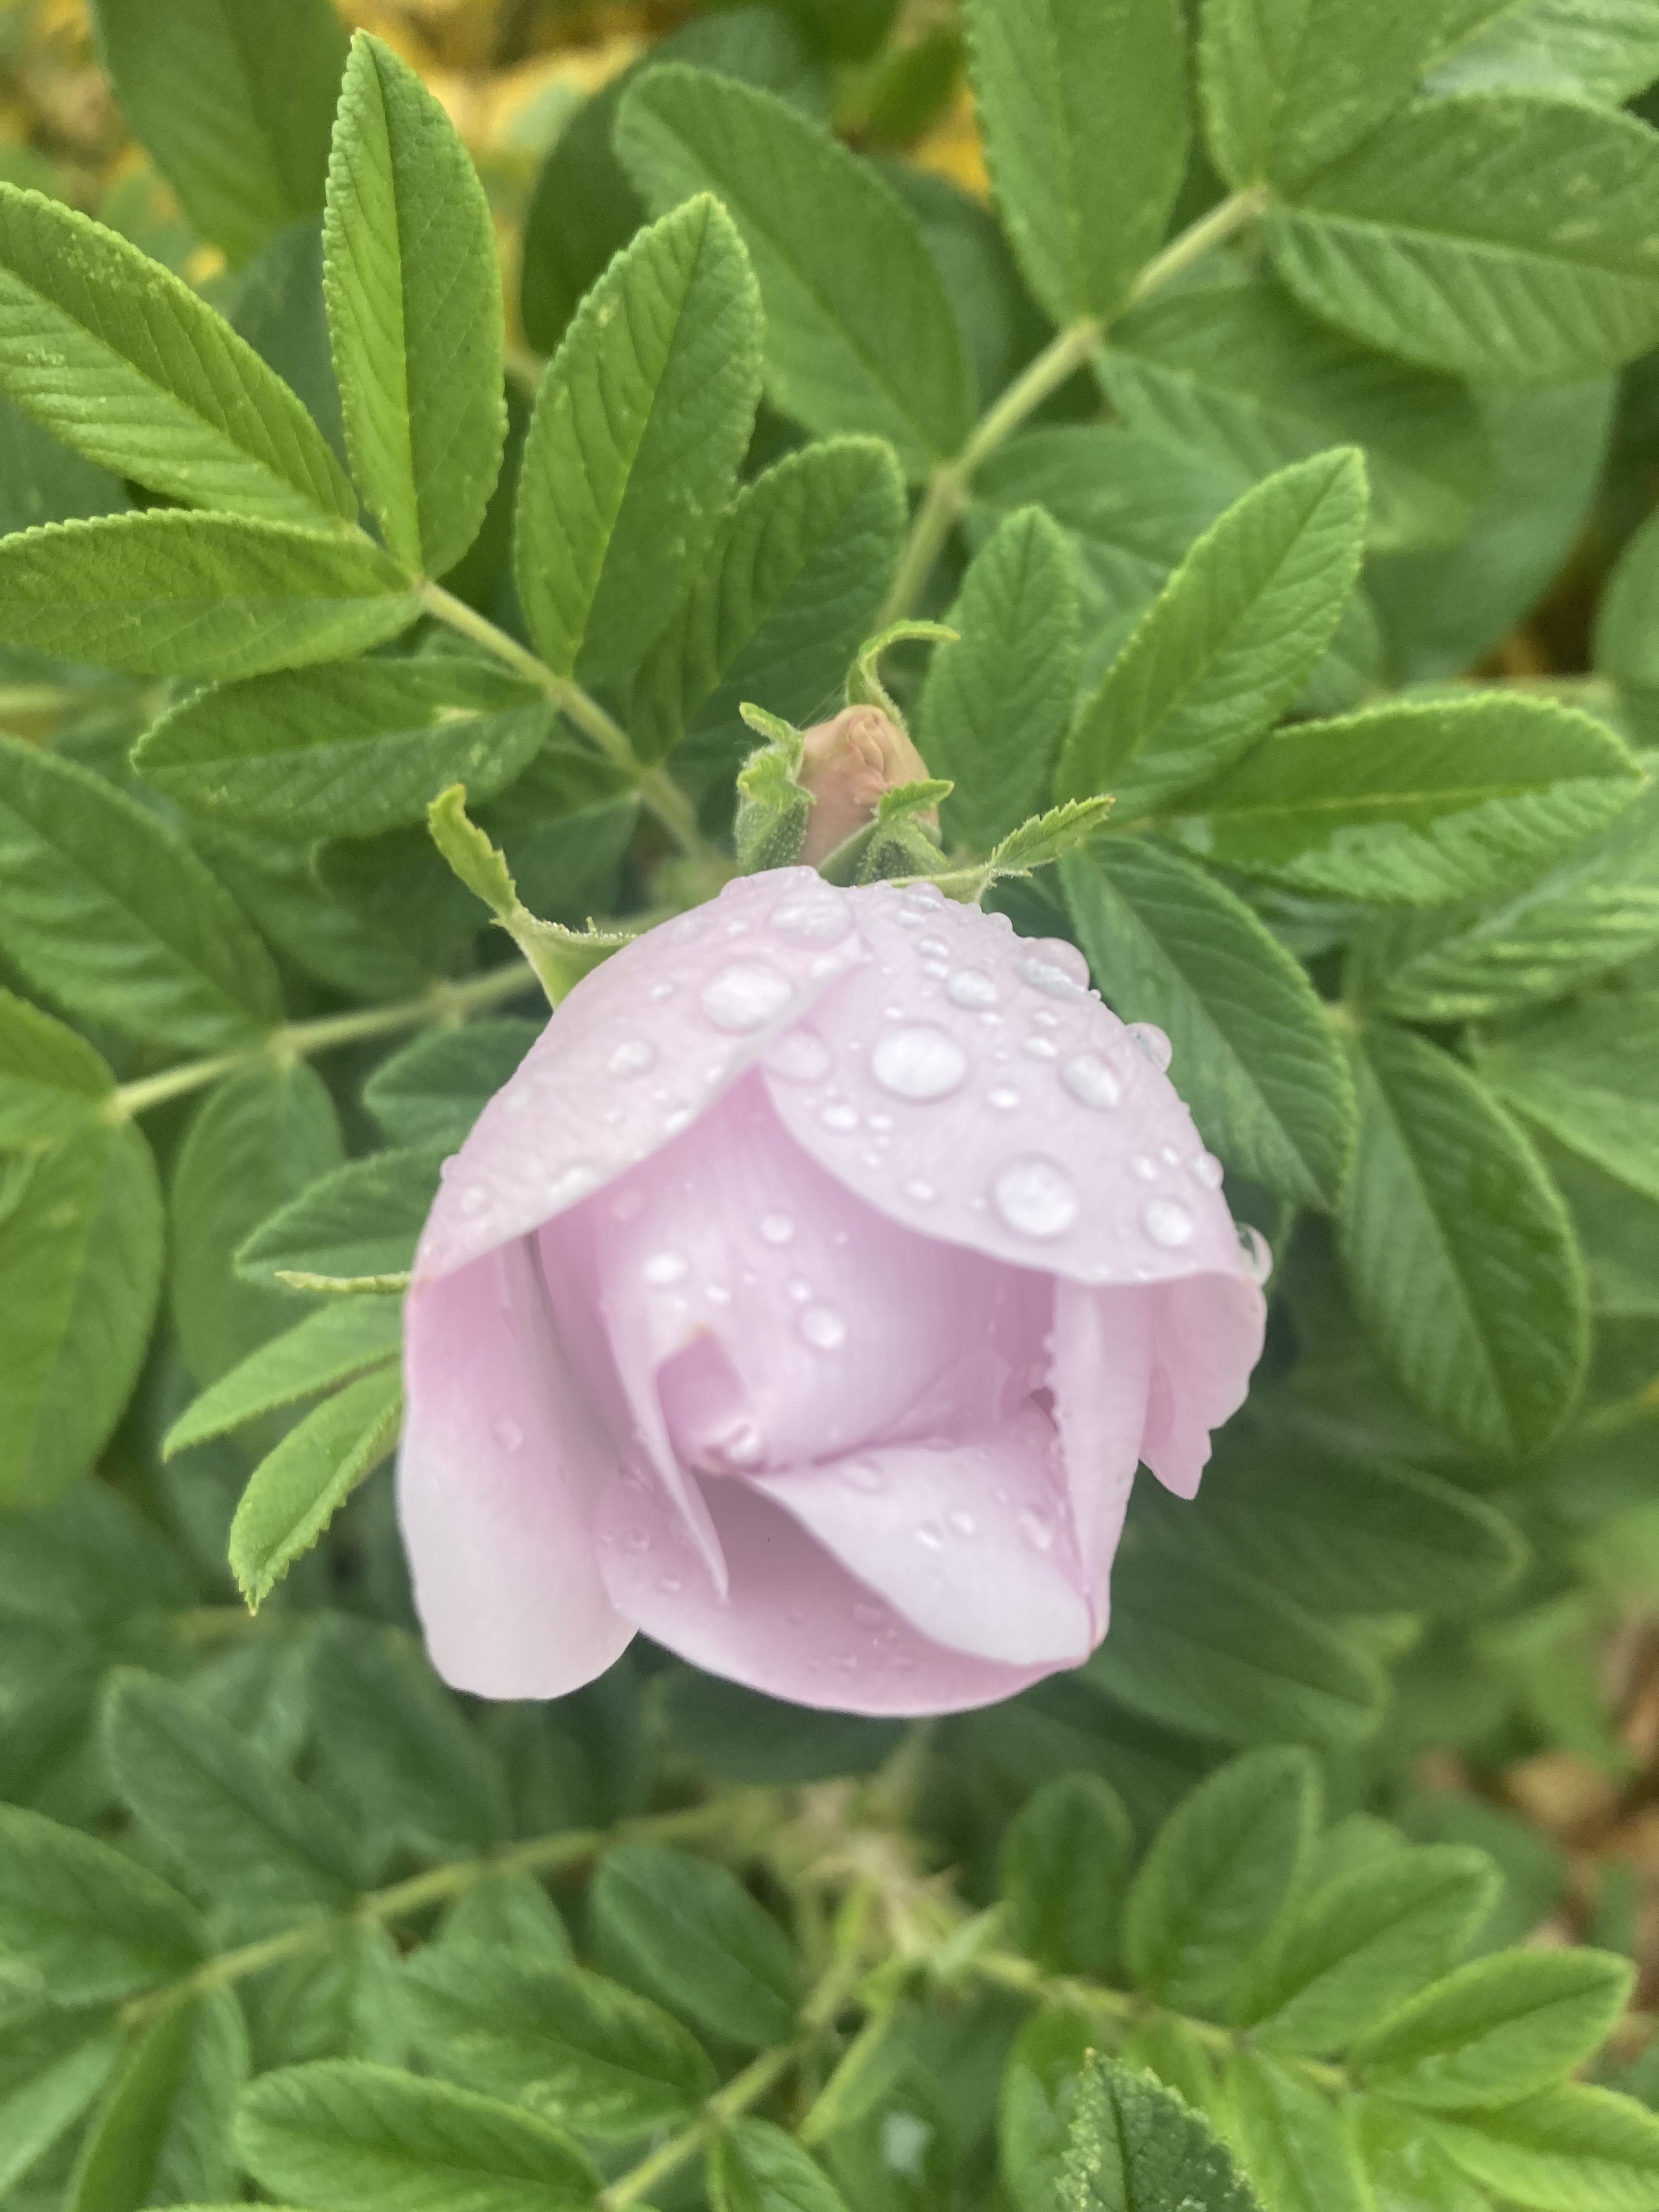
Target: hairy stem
{"type": "Point", "coordinates": [442, 1004]}
{"type": "Point", "coordinates": [1066, 352]}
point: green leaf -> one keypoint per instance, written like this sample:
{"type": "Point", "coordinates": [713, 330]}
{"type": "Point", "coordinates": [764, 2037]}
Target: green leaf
{"type": "Point", "coordinates": [1415, 803]}
{"type": "Point", "coordinates": [94, 1925]}
{"type": "Point", "coordinates": [1459, 1255]}
{"type": "Point", "coordinates": [791, 585]}
{"type": "Point", "coordinates": [1084, 110]}
{"type": "Point", "coordinates": [259, 1138]}
{"type": "Point", "coordinates": [1136, 2147]}
{"type": "Point", "coordinates": [162, 2136]}
{"type": "Point", "coordinates": [81, 1251]}
{"type": "Point", "coordinates": [120, 358]}
{"type": "Point", "coordinates": [1037, 2099]}
{"type": "Point", "coordinates": [296, 1490]}
{"type": "Point", "coordinates": [1626, 642]}
{"type": "Point", "coordinates": [41, 480]}
{"type": "Point", "coordinates": [743, 1736]}
{"type": "Point", "coordinates": [234, 100]}
{"type": "Point", "coordinates": [1569, 2149]}
{"type": "Point", "coordinates": [998, 701]}
{"type": "Point", "coordinates": [691, 1935]}
{"type": "Point", "coordinates": [347, 2001]}
{"type": "Point", "coordinates": [1595, 909]}
{"type": "Point", "coordinates": [1356, 1948]}
{"type": "Point", "coordinates": [1499, 2029]}
{"type": "Point", "coordinates": [1260, 1063]}
{"type": "Point", "coordinates": [1064, 1861]}
{"type": "Point", "coordinates": [259, 1838]}
{"type": "Point", "coordinates": [53, 2065]}
{"type": "Point", "coordinates": [52, 1082]}
{"type": "Point", "coordinates": [1229, 644]}
{"type": "Point", "coordinates": [633, 448]}
{"type": "Point", "coordinates": [1496, 236]}
{"type": "Point", "coordinates": [329, 1346]}
{"type": "Point", "coordinates": [1217, 1875]}
{"type": "Point", "coordinates": [574, 2047]}
{"type": "Point", "coordinates": [348, 751]}
{"type": "Point", "coordinates": [361, 1220]}
{"type": "Point", "coordinates": [108, 910]}
{"type": "Point", "coordinates": [169, 593]}
{"type": "Point", "coordinates": [860, 334]}
{"type": "Point", "coordinates": [1342, 1530]}
{"type": "Point", "coordinates": [1197, 1645]}
{"type": "Point", "coordinates": [434, 1089]}
{"type": "Point", "coordinates": [414, 310]}
{"type": "Point", "coordinates": [754, 2167]}
{"type": "Point", "coordinates": [1288, 85]}
{"type": "Point", "coordinates": [1047, 837]}
{"type": "Point", "coordinates": [1236, 368]}
{"type": "Point", "coordinates": [1599, 50]}
{"type": "Point", "coordinates": [395, 1748]}
{"type": "Point", "coordinates": [1294, 2143]}
{"type": "Point", "coordinates": [349, 2138]}
{"type": "Point", "coordinates": [1589, 1075]}
{"type": "Point", "coordinates": [1407, 2170]}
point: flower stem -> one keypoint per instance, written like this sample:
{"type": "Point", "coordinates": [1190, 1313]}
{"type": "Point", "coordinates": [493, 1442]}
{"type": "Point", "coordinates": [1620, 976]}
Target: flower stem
{"type": "Point", "coordinates": [1066, 352]}
{"type": "Point", "coordinates": [728, 2103]}
{"type": "Point", "coordinates": [443, 1004]}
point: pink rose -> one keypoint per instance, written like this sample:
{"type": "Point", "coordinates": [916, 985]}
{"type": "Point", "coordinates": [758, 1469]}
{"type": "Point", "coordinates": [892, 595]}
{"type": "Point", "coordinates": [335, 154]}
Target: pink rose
{"type": "Point", "coordinates": [806, 1300]}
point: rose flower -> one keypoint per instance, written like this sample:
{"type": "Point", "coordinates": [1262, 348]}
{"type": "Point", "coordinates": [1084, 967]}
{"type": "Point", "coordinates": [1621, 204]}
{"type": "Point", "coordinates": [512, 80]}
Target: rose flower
{"type": "Point", "coordinates": [807, 1300]}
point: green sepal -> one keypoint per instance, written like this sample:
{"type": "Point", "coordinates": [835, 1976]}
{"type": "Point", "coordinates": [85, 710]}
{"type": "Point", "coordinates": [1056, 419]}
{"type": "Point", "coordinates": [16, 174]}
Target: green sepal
{"type": "Point", "coordinates": [772, 806]}
{"type": "Point", "coordinates": [864, 685]}
{"type": "Point", "coordinates": [1037, 843]}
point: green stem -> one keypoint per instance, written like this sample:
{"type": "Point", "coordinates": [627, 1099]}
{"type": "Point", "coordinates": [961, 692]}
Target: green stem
{"type": "Point", "coordinates": [445, 1003]}
{"type": "Point", "coordinates": [726, 2104]}
{"type": "Point", "coordinates": [658, 792]}
{"type": "Point", "coordinates": [1069, 350]}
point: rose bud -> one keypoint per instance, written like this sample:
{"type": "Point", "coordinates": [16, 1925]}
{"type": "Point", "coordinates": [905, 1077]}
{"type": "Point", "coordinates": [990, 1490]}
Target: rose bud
{"type": "Point", "coordinates": [806, 1300]}
{"type": "Point", "coordinates": [849, 765]}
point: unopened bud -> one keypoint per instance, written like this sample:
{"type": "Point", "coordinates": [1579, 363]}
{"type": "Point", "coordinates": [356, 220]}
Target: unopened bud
{"type": "Point", "coordinates": [849, 765]}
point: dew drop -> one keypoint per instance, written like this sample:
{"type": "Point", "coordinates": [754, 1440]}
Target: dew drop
{"type": "Point", "coordinates": [662, 991]}
{"type": "Point", "coordinates": [632, 1057]}
{"type": "Point", "coordinates": [776, 1228]}
{"type": "Point", "coordinates": [663, 1269]}
{"type": "Point", "coordinates": [971, 988]}
{"type": "Point", "coordinates": [1048, 975]}
{"type": "Point", "coordinates": [1207, 1168]}
{"type": "Point", "coordinates": [863, 1474]}
{"type": "Point", "coordinates": [671, 1585]}
{"type": "Point", "coordinates": [1258, 1257]}
{"type": "Point", "coordinates": [920, 1062]}
{"type": "Point", "coordinates": [1042, 1048]}
{"type": "Point", "coordinates": [840, 1116]}
{"type": "Point", "coordinates": [930, 1536]}
{"type": "Point", "coordinates": [506, 1432]}
{"type": "Point", "coordinates": [963, 1521]}
{"type": "Point", "coordinates": [1145, 1168]}
{"type": "Point", "coordinates": [637, 1540]}
{"type": "Point", "coordinates": [1170, 1156]}
{"type": "Point", "coordinates": [744, 996]}
{"type": "Point", "coordinates": [923, 1193]}
{"type": "Point", "coordinates": [679, 1119]}
{"type": "Point", "coordinates": [1087, 1077]}
{"type": "Point", "coordinates": [1168, 1223]}
{"type": "Point", "coordinates": [1004, 1098]}
{"type": "Point", "coordinates": [572, 1182]}
{"type": "Point", "coordinates": [475, 1200]}
{"type": "Point", "coordinates": [1152, 1043]}
{"type": "Point", "coordinates": [1035, 1196]}
{"type": "Point", "coordinates": [933, 948]}
{"type": "Point", "coordinates": [799, 1289]}
{"type": "Point", "coordinates": [1037, 1532]}
{"type": "Point", "coordinates": [824, 1329]}
{"type": "Point", "coordinates": [815, 916]}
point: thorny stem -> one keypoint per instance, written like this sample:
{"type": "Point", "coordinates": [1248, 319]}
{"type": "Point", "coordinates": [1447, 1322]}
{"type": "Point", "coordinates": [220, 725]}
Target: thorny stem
{"type": "Point", "coordinates": [1066, 352]}
{"type": "Point", "coordinates": [443, 1003]}
{"type": "Point", "coordinates": [658, 792]}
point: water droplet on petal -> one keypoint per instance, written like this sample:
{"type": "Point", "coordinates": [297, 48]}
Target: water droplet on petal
{"type": "Point", "coordinates": [824, 1329]}
{"type": "Point", "coordinates": [662, 991]}
{"type": "Point", "coordinates": [1042, 1048]}
{"type": "Point", "coordinates": [1035, 1196]}
{"type": "Point", "coordinates": [864, 1474]}
{"type": "Point", "coordinates": [1145, 1168]}
{"type": "Point", "coordinates": [506, 1432]}
{"type": "Point", "coordinates": [1037, 1532]}
{"type": "Point", "coordinates": [962, 1521]}
{"type": "Point", "coordinates": [971, 988]}
{"type": "Point", "coordinates": [920, 1062]}
{"type": "Point", "coordinates": [799, 1289]}
{"type": "Point", "coordinates": [572, 1182]}
{"type": "Point", "coordinates": [1152, 1043]}
{"type": "Point", "coordinates": [1258, 1257]}
{"type": "Point", "coordinates": [930, 1536]}
{"type": "Point", "coordinates": [840, 1116]}
{"type": "Point", "coordinates": [1207, 1168]}
{"type": "Point", "coordinates": [776, 1228]}
{"type": "Point", "coordinates": [680, 1119]}
{"type": "Point", "coordinates": [663, 1269]}
{"type": "Point", "coordinates": [745, 996]}
{"type": "Point", "coordinates": [1168, 1223]}
{"type": "Point", "coordinates": [1004, 1098]}
{"type": "Point", "coordinates": [1048, 975]}
{"type": "Point", "coordinates": [475, 1200]}
{"type": "Point", "coordinates": [632, 1057]}
{"type": "Point", "coordinates": [817, 916]}
{"type": "Point", "coordinates": [637, 1540]}
{"type": "Point", "coordinates": [923, 1193]}
{"type": "Point", "coordinates": [1089, 1078]}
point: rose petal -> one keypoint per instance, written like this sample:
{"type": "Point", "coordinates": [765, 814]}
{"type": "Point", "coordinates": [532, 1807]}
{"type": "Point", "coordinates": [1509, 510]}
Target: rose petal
{"type": "Point", "coordinates": [971, 1543]}
{"type": "Point", "coordinates": [499, 1475]}
{"type": "Point", "coordinates": [637, 1051]}
{"type": "Point", "coordinates": [795, 1624]}
{"type": "Point", "coordinates": [1101, 1375]}
{"type": "Point", "coordinates": [1022, 1120]}
{"type": "Point", "coordinates": [1207, 1337]}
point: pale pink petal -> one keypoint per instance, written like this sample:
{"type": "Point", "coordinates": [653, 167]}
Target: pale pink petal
{"type": "Point", "coordinates": [638, 1050]}
{"type": "Point", "coordinates": [1207, 1337]}
{"type": "Point", "coordinates": [839, 1327]}
{"type": "Point", "coordinates": [499, 1476]}
{"type": "Point", "coordinates": [969, 1542]}
{"type": "Point", "coordinates": [1101, 1376]}
{"type": "Point", "coordinates": [794, 1623]}
{"type": "Point", "coordinates": [968, 1082]}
